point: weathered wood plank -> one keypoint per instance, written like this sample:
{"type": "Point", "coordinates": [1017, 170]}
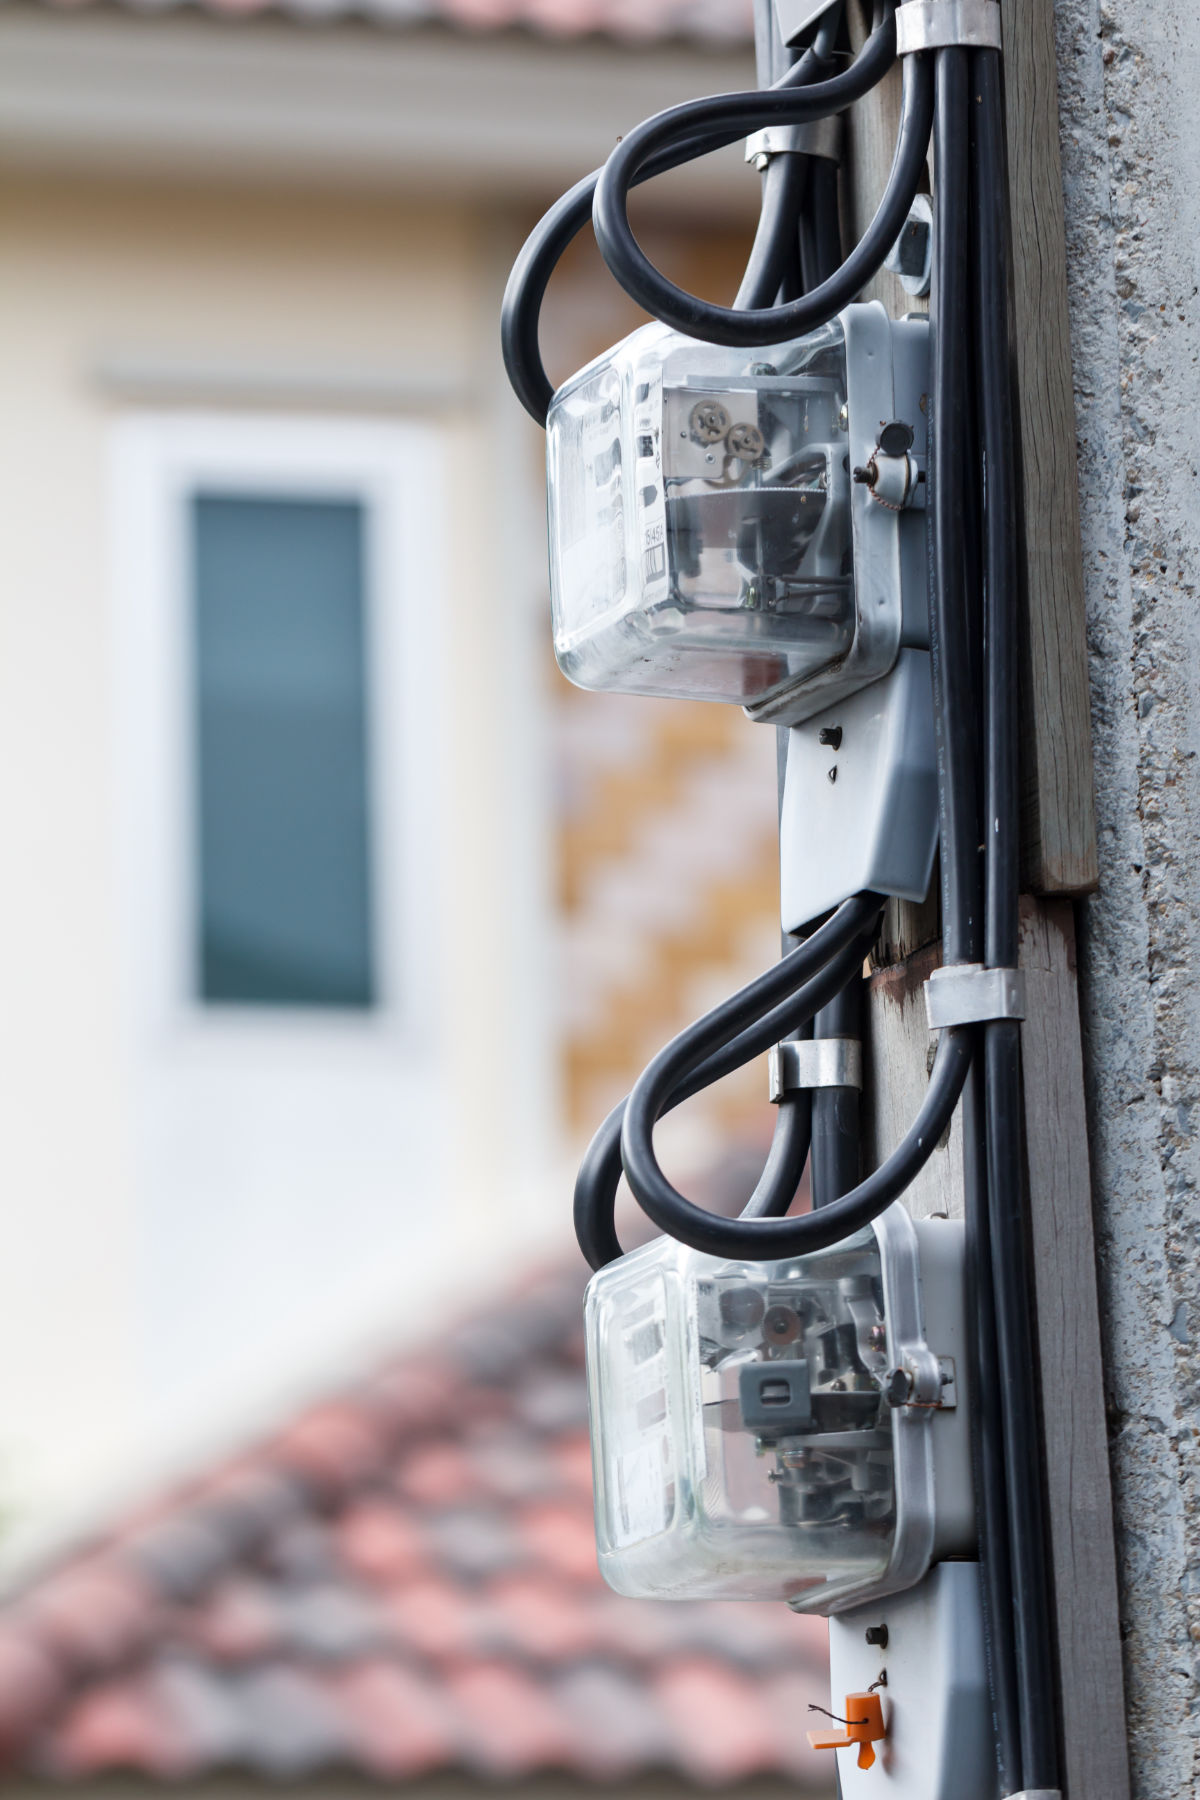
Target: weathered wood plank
{"type": "Point", "coordinates": [1078, 1483]}
{"type": "Point", "coordinates": [898, 1050]}
{"type": "Point", "coordinates": [1083, 1561]}
{"type": "Point", "coordinates": [1058, 826]}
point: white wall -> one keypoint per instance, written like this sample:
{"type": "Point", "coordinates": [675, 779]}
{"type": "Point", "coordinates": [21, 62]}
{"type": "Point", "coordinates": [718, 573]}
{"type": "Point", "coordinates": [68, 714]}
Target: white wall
{"type": "Point", "coordinates": [199, 1227]}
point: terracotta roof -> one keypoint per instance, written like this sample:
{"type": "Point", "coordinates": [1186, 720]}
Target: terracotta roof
{"type": "Point", "coordinates": [402, 1582]}
{"type": "Point", "coordinates": [634, 21]}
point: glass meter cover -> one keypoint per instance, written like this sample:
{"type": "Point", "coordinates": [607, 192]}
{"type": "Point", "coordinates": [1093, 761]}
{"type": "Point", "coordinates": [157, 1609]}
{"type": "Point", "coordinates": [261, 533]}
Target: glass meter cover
{"type": "Point", "coordinates": [699, 504]}
{"type": "Point", "coordinates": [780, 1430]}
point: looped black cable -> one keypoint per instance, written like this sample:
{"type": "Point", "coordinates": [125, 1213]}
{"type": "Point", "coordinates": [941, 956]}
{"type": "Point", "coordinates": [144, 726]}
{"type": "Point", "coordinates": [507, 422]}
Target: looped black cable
{"type": "Point", "coordinates": [544, 248]}
{"type": "Point", "coordinates": [769, 1240]}
{"type": "Point", "coordinates": [805, 978]}
{"type": "Point", "coordinates": [746, 112]}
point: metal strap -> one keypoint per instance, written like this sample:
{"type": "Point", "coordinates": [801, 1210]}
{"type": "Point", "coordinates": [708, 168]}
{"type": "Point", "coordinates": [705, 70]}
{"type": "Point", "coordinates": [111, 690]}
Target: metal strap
{"type": "Point", "coordinates": [814, 1063]}
{"type": "Point", "coordinates": [969, 994]}
{"type": "Point", "coordinates": [815, 137]}
{"type": "Point", "coordinates": [943, 24]}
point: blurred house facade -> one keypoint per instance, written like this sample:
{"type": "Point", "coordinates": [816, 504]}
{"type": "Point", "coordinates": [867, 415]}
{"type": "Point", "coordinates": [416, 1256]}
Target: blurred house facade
{"type": "Point", "coordinates": [331, 916]}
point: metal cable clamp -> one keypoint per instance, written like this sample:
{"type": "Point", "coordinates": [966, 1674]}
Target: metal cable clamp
{"type": "Point", "coordinates": [969, 994]}
{"type": "Point", "coordinates": [814, 137]}
{"type": "Point", "coordinates": [945, 24]}
{"type": "Point", "coordinates": [814, 1063]}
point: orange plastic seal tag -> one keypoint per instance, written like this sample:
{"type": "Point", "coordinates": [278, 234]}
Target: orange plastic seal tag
{"type": "Point", "coordinates": [863, 1726]}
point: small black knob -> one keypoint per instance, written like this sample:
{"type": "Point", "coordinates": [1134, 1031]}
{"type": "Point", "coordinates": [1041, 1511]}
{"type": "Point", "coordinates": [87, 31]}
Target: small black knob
{"type": "Point", "coordinates": [895, 438]}
{"type": "Point", "coordinates": [877, 1635]}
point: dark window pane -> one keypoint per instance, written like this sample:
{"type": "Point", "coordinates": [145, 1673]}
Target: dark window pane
{"type": "Point", "coordinates": [284, 906]}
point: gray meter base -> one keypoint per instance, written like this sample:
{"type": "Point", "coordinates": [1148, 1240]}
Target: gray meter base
{"type": "Point", "coordinates": [936, 1707]}
{"type": "Point", "coordinates": [887, 380]}
{"type": "Point", "coordinates": [860, 797]}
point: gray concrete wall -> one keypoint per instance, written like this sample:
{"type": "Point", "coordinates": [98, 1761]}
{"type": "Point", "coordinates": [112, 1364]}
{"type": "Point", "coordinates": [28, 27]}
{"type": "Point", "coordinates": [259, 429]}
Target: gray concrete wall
{"type": "Point", "coordinates": [1129, 74]}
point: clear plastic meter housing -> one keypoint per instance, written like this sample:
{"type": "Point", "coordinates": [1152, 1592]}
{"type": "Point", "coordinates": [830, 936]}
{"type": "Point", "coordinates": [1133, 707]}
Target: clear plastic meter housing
{"type": "Point", "coordinates": [699, 508]}
{"type": "Point", "coordinates": [780, 1430]}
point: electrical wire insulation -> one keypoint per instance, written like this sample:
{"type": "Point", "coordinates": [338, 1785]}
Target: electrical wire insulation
{"type": "Point", "coordinates": [749, 112]}
{"type": "Point", "coordinates": [768, 1240]}
{"type": "Point", "coordinates": [783, 184]}
{"type": "Point", "coordinates": [543, 249]}
{"type": "Point", "coordinates": [771, 1008]}
{"type": "Point", "coordinates": [1010, 1275]}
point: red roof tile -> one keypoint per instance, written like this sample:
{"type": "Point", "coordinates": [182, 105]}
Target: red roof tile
{"type": "Point", "coordinates": [118, 1725]}
{"type": "Point", "coordinates": [379, 1541]}
{"type": "Point", "coordinates": [92, 1614]}
{"type": "Point", "coordinates": [723, 1731]}
{"type": "Point", "coordinates": [509, 1720]}
{"type": "Point", "coordinates": [237, 1622]}
{"type": "Point", "coordinates": [402, 1583]}
{"type": "Point", "coordinates": [399, 1719]}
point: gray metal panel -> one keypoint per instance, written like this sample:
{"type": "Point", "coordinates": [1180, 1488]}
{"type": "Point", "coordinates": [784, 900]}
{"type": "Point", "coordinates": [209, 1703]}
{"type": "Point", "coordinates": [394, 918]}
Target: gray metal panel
{"type": "Point", "coordinates": [861, 813]}
{"type": "Point", "coordinates": [936, 1706]}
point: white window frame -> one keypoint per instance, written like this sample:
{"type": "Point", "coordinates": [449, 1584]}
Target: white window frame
{"type": "Point", "coordinates": [394, 469]}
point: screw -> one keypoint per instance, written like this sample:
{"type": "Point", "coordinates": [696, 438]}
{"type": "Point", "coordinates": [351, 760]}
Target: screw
{"type": "Point", "coordinates": [866, 477]}
{"type": "Point", "coordinates": [878, 1636]}
{"type": "Point", "coordinates": [780, 1325]}
{"type": "Point", "coordinates": [830, 736]}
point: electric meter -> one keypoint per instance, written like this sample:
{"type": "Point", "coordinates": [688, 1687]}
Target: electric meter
{"type": "Point", "coordinates": [728, 525]}
{"type": "Point", "coordinates": [791, 1430]}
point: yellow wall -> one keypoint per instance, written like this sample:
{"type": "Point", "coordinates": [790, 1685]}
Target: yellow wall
{"type": "Point", "coordinates": [98, 284]}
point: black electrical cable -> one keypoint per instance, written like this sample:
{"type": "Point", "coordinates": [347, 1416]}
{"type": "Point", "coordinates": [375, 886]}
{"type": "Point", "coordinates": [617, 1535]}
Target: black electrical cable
{"type": "Point", "coordinates": [954, 652]}
{"type": "Point", "coordinates": [955, 719]}
{"type": "Point", "coordinates": [543, 249]}
{"type": "Point", "coordinates": [768, 1240]}
{"type": "Point", "coordinates": [836, 1140]}
{"type": "Point", "coordinates": [820, 233]}
{"type": "Point", "coordinates": [772, 1006]}
{"type": "Point", "coordinates": [776, 1187]}
{"type": "Point", "coordinates": [987, 1444]}
{"type": "Point", "coordinates": [784, 181]}
{"type": "Point", "coordinates": [1002, 1068]}
{"type": "Point", "coordinates": [744, 113]}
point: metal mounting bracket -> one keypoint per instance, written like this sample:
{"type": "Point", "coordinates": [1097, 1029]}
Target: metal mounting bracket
{"type": "Point", "coordinates": [943, 24]}
{"type": "Point", "coordinates": [814, 137]}
{"type": "Point", "coordinates": [794, 17]}
{"type": "Point", "coordinates": [969, 994]}
{"type": "Point", "coordinates": [814, 1063]}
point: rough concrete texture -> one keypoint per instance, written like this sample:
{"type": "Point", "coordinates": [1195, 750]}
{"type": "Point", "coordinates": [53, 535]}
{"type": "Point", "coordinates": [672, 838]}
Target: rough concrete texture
{"type": "Point", "coordinates": [1129, 80]}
